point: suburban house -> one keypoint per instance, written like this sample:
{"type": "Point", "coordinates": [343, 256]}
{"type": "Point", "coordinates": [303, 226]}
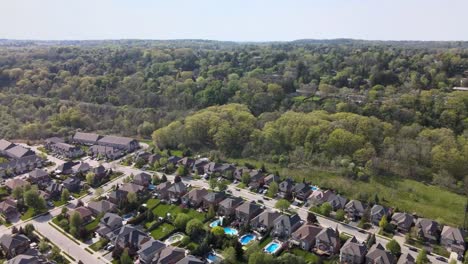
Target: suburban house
{"type": "Point", "coordinates": [353, 252]}
{"type": "Point", "coordinates": [319, 197]}
{"type": "Point", "coordinates": [246, 211]}
{"type": "Point", "coordinates": [51, 141]}
{"type": "Point", "coordinates": [406, 258]}
{"type": "Point", "coordinates": [378, 254]}
{"type": "Point", "coordinates": [176, 191]}
{"type": "Point", "coordinates": [150, 250]}
{"type": "Point", "coordinates": [108, 224]}
{"type": "Point", "coordinates": [131, 188]}
{"type": "Point", "coordinates": [305, 236]}
{"type": "Point", "coordinates": [153, 158]}
{"type": "Point", "coordinates": [170, 255]}
{"type": "Point", "coordinates": [354, 210]}
{"type": "Point", "coordinates": [81, 167]}
{"type": "Point", "coordinates": [454, 239]}
{"type": "Point", "coordinates": [101, 207]}
{"type": "Point", "coordinates": [377, 212]}
{"type": "Point", "coordinates": [65, 168]}
{"type": "Point", "coordinates": [4, 146]}
{"type": "Point", "coordinates": [8, 208]}
{"type": "Point", "coordinates": [173, 160]}
{"type": "Point", "coordinates": [65, 150]}
{"type": "Point", "coordinates": [85, 138]}
{"type": "Point", "coordinates": [212, 199]}
{"type": "Point", "coordinates": [302, 191]}
{"type": "Point", "coordinates": [54, 190]}
{"type": "Point", "coordinates": [100, 171]}
{"type": "Point", "coordinates": [270, 178]}
{"type": "Point", "coordinates": [427, 229]}
{"type": "Point", "coordinates": [106, 152]}
{"type": "Point", "coordinates": [17, 152]}
{"type": "Point", "coordinates": [190, 259]}
{"type": "Point", "coordinates": [21, 165]}
{"type": "Point", "coordinates": [129, 236]}
{"type": "Point", "coordinates": [85, 214]}
{"type": "Point", "coordinates": [286, 187]}
{"type": "Point", "coordinates": [186, 162]}
{"type": "Point", "coordinates": [14, 244]}
{"type": "Point", "coordinates": [227, 206]}
{"type": "Point", "coordinates": [142, 155]}
{"type": "Point", "coordinates": [122, 143]}
{"type": "Point", "coordinates": [72, 184]}
{"type": "Point", "coordinates": [327, 242]}
{"type": "Point", "coordinates": [162, 190]}
{"type": "Point", "coordinates": [26, 259]}
{"type": "Point", "coordinates": [238, 172]}
{"type": "Point", "coordinates": [256, 179]}
{"type": "Point", "coordinates": [194, 198]}
{"type": "Point", "coordinates": [264, 222]}
{"type": "Point", "coordinates": [199, 165]}
{"type": "Point", "coordinates": [284, 225]}
{"type": "Point", "coordinates": [15, 183]}
{"type": "Point", "coordinates": [39, 177]}
{"type": "Point", "coordinates": [211, 167]}
{"type": "Point", "coordinates": [143, 179]}
{"type": "Point", "coordinates": [402, 221]}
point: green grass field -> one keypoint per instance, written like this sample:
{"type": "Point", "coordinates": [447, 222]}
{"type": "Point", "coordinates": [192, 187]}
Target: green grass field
{"type": "Point", "coordinates": [309, 257]}
{"type": "Point", "coordinates": [28, 214]}
{"type": "Point", "coordinates": [162, 231]}
{"type": "Point", "coordinates": [162, 209]}
{"type": "Point", "coordinates": [407, 195]}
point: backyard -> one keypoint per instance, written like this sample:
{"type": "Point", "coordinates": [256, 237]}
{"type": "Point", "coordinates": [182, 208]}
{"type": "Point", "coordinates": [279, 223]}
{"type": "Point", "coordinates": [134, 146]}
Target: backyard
{"type": "Point", "coordinates": [162, 231]}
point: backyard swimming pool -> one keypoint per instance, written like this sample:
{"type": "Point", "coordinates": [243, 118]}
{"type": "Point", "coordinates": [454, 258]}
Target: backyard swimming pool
{"type": "Point", "coordinates": [151, 187]}
{"type": "Point", "coordinates": [272, 247]}
{"type": "Point", "coordinates": [213, 258]}
{"type": "Point", "coordinates": [128, 216]}
{"type": "Point", "coordinates": [314, 188]}
{"type": "Point", "coordinates": [245, 239]}
{"type": "Point", "coordinates": [216, 222]}
{"type": "Point", "coordinates": [177, 237]}
{"type": "Point", "coordinates": [230, 231]}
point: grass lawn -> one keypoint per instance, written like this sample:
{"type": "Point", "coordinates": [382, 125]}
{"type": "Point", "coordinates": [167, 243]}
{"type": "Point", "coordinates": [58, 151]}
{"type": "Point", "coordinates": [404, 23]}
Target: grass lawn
{"type": "Point", "coordinates": [309, 257]}
{"type": "Point", "coordinates": [407, 195]}
{"type": "Point", "coordinates": [59, 203]}
{"type": "Point", "coordinates": [28, 214]}
{"type": "Point", "coordinates": [151, 203]}
{"type": "Point", "coordinates": [99, 245]}
{"type": "Point", "coordinates": [81, 193]}
{"type": "Point", "coordinates": [162, 209]}
{"type": "Point", "coordinates": [3, 191]}
{"type": "Point", "coordinates": [241, 185]}
{"type": "Point", "coordinates": [93, 224]}
{"type": "Point", "coordinates": [162, 231]}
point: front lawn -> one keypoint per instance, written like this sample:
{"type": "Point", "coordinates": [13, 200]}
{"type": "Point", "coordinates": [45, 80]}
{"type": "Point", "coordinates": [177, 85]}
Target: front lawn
{"type": "Point", "coordinates": [162, 231]}
{"type": "Point", "coordinates": [28, 214]}
{"type": "Point", "coordinates": [59, 203]}
{"type": "Point", "coordinates": [3, 191]}
{"type": "Point", "coordinates": [99, 245]}
{"type": "Point", "coordinates": [91, 226]}
{"type": "Point", "coordinates": [81, 193]}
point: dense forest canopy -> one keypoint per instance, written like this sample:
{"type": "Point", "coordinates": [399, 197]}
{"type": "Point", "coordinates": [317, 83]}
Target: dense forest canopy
{"type": "Point", "coordinates": [363, 107]}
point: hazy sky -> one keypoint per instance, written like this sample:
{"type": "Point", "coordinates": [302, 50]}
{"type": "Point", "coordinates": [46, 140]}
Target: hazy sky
{"type": "Point", "coordinates": [238, 20]}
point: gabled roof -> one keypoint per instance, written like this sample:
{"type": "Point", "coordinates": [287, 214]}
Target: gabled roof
{"type": "Point", "coordinates": [178, 187]}
{"type": "Point", "coordinates": [267, 218]}
{"type": "Point", "coordinates": [403, 219]}
{"type": "Point", "coordinates": [301, 187]}
{"type": "Point", "coordinates": [271, 178]}
{"type": "Point", "coordinates": [307, 233]}
{"type": "Point", "coordinates": [378, 254]}
{"type": "Point", "coordinates": [128, 234]}
{"type": "Point", "coordinates": [286, 185]}
{"type": "Point", "coordinates": [288, 220]}
{"type": "Point", "coordinates": [24, 259]}
{"type": "Point", "coordinates": [86, 136]}
{"type": "Point", "coordinates": [54, 187]}
{"type": "Point", "coordinates": [71, 181]}
{"type": "Point", "coordinates": [12, 241]}
{"type": "Point", "coordinates": [55, 140]}
{"type": "Point", "coordinates": [81, 167]}
{"type": "Point", "coordinates": [427, 225]}
{"type": "Point", "coordinates": [19, 152]}
{"type": "Point", "coordinates": [329, 236]}
{"type": "Point", "coordinates": [5, 144]}
{"type": "Point", "coordinates": [38, 173]}
{"type": "Point", "coordinates": [355, 205]}
{"type": "Point", "coordinates": [151, 246]}
{"type": "Point", "coordinates": [378, 210]}
{"type": "Point", "coordinates": [190, 260]}
{"type": "Point", "coordinates": [196, 194]}
{"type": "Point", "coordinates": [248, 208]}
{"type": "Point", "coordinates": [131, 188]}
{"type": "Point", "coordinates": [354, 248]}
{"type": "Point", "coordinates": [214, 196]}
{"type": "Point", "coordinates": [110, 219]}
{"type": "Point", "coordinates": [116, 140]}
{"type": "Point", "coordinates": [16, 182]}
{"type": "Point", "coordinates": [143, 176]}
{"type": "Point", "coordinates": [82, 211]}
{"type": "Point", "coordinates": [229, 203]}
{"type": "Point", "coordinates": [452, 233]}
{"type": "Point", "coordinates": [102, 206]}
{"type": "Point", "coordinates": [171, 255]}
{"type": "Point", "coordinates": [406, 259]}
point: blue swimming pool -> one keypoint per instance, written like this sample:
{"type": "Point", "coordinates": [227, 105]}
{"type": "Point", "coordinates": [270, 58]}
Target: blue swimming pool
{"type": "Point", "coordinates": [313, 188]}
{"type": "Point", "coordinates": [127, 216]}
{"type": "Point", "coordinates": [230, 231]}
{"type": "Point", "coordinates": [151, 187]}
{"type": "Point", "coordinates": [213, 258]}
{"type": "Point", "coordinates": [245, 239]}
{"type": "Point", "coordinates": [272, 247]}
{"type": "Point", "coordinates": [215, 223]}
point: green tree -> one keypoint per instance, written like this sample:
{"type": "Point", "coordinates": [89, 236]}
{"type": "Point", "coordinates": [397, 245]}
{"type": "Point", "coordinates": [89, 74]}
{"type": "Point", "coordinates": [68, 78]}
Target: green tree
{"type": "Point", "coordinates": [65, 195]}
{"type": "Point", "coordinates": [90, 178]}
{"type": "Point", "coordinates": [394, 247]}
{"type": "Point", "coordinates": [422, 257]}
{"type": "Point", "coordinates": [75, 224]}
{"type": "Point", "coordinates": [245, 178]}
{"type": "Point", "coordinates": [211, 212]}
{"type": "Point", "coordinates": [217, 231]}
{"type": "Point", "coordinates": [132, 197]}
{"type": "Point", "coordinates": [273, 189]}
{"type": "Point", "coordinates": [222, 186]}
{"type": "Point", "coordinates": [194, 228]}
{"type": "Point", "coordinates": [34, 200]}
{"type": "Point", "coordinates": [18, 193]}
{"type": "Point", "coordinates": [229, 255]}
{"type": "Point", "coordinates": [282, 205]}
{"type": "Point", "coordinates": [125, 257]}
{"type": "Point", "coordinates": [261, 258]}
{"type": "Point", "coordinates": [383, 223]}
{"type": "Point", "coordinates": [181, 221]}
{"type": "Point", "coordinates": [326, 208]}
{"type": "Point", "coordinates": [212, 183]}
{"type": "Point", "coordinates": [340, 215]}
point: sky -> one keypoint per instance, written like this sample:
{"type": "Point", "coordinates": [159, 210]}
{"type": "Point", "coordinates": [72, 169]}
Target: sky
{"type": "Point", "coordinates": [235, 20]}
